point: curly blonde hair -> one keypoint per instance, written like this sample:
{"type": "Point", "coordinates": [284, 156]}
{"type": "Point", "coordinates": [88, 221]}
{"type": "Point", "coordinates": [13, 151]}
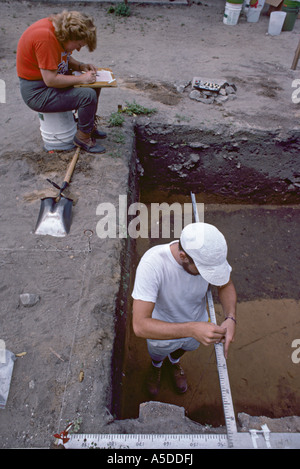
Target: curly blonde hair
{"type": "Point", "coordinates": [75, 26]}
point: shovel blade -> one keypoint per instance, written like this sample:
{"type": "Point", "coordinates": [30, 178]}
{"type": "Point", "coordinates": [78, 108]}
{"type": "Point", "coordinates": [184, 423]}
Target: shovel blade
{"type": "Point", "coordinates": [55, 217]}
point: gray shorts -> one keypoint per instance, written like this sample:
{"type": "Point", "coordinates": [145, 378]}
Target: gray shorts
{"type": "Point", "coordinates": [160, 349]}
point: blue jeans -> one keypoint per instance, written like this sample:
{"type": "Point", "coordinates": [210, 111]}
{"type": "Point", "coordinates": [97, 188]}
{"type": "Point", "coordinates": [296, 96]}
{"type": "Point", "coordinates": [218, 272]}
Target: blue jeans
{"type": "Point", "coordinates": [41, 98]}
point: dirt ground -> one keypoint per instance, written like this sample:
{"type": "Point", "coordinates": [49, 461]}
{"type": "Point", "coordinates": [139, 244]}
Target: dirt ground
{"type": "Point", "coordinates": [69, 333]}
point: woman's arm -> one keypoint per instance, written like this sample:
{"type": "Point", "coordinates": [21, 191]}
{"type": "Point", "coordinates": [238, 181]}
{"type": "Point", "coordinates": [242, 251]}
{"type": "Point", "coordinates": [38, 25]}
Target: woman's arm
{"type": "Point", "coordinates": [52, 79]}
{"type": "Point", "coordinates": [80, 66]}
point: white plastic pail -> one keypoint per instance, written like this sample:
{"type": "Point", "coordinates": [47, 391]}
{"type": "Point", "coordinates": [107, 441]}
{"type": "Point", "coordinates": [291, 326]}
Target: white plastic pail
{"type": "Point", "coordinates": [276, 22]}
{"type": "Point", "coordinates": [253, 14]}
{"type": "Point", "coordinates": [232, 13]}
{"type": "Point", "coordinates": [58, 130]}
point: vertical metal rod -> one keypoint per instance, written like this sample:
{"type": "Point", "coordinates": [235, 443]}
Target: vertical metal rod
{"type": "Point", "coordinates": [196, 214]}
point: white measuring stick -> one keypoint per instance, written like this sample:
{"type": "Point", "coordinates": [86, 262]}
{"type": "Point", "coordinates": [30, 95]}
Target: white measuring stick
{"type": "Point", "coordinates": [244, 440]}
{"type": "Point", "coordinates": [224, 379]}
{"type": "Point", "coordinates": [147, 441]}
{"type": "Point", "coordinates": [221, 362]}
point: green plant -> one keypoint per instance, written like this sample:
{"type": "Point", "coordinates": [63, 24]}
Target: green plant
{"type": "Point", "coordinates": [111, 9]}
{"type": "Point", "coordinates": [116, 119]}
{"type": "Point", "coordinates": [114, 154]}
{"type": "Point", "coordinates": [121, 9]}
{"type": "Point", "coordinates": [118, 137]}
{"type": "Point", "coordinates": [76, 425]}
{"type": "Point", "coordinates": [134, 108]}
{"type": "Point", "coordinates": [181, 118]}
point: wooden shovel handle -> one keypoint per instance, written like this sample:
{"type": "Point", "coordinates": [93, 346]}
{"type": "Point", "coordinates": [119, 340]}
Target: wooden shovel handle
{"type": "Point", "coordinates": [296, 57]}
{"type": "Point", "coordinates": [72, 166]}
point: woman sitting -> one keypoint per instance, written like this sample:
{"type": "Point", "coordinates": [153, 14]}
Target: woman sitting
{"type": "Point", "coordinates": [44, 67]}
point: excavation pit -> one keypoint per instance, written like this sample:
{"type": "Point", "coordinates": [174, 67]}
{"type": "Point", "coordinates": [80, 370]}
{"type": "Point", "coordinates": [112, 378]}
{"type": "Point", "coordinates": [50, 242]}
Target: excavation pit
{"type": "Point", "coordinates": [247, 182]}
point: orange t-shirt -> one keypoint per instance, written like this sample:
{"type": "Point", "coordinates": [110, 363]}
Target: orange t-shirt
{"type": "Point", "coordinates": [38, 48]}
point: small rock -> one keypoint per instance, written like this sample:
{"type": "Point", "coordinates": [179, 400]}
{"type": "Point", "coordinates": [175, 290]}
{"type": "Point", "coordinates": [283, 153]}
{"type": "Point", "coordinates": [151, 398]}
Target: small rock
{"type": "Point", "coordinates": [206, 93]}
{"type": "Point", "coordinates": [195, 95]}
{"type": "Point", "coordinates": [203, 100]}
{"type": "Point", "coordinates": [160, 411]}
{"type": "Point", "coordinates": [194, 158]}
{"type": "Point", "coordinates": [175, 167]}
{"type": "Point", "coordinates": [198, 145]}
{"type": "Point", "coordinates": [209, 100]}
{"type": "Point", "coordinates": [232, 96]}
{"type": "Point", "coordinates": [31, 384]}
{"type": "Point", "coordinates": [230, 90]}
{"type": "Point", "coordinates": [182, 86]}
{"type": "Point", "coordinates": [222, 99]}
{"type": "Point", "coordinates": [29, 299]}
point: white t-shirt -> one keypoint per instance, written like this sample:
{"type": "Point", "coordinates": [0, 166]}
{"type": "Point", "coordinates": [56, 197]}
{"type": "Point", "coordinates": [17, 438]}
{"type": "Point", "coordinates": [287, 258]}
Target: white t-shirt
{"type": "Point", "coordinates": [178, 295]}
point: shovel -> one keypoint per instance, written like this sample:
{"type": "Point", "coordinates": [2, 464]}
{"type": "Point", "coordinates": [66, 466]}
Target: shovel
{"type": "Point", "coordinates": [55, 212]}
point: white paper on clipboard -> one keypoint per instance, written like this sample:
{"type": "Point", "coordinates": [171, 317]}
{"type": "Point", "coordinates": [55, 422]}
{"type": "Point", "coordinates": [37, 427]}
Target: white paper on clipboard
{"type": "Point", "coordinates": [101, 76]}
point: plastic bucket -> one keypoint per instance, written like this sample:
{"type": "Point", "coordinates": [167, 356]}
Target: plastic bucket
{"type": "Point", "coordinates": [291, 4]}
{"type": "Point", "coordinates": [276, 22]}
{"type": "Point", "coordinates": [253, 14]}
{"type": "Point", "coordinates": [58, 130]}
{"type": "Point", "coordinates": [232, 13]}
{"type": "Point", "coordinates": [291, 16]}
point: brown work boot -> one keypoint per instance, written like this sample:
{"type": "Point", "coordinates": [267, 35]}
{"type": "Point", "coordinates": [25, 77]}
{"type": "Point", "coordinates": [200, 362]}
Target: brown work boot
{"type": "Point", "coordinates": [87, 143]}
{"type": "Point", "coordinates": [153, 380]}
{"type": "Point", "coordinates": [96, 133]}
{"type": "Point", "coordinates": [178, 377]}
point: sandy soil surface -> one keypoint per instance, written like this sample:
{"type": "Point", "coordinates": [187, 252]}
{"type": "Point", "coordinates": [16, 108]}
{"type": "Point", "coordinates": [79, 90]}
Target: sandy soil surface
{"type": "Point", "coordinates": [70, 329]}
{"type": "Point", "coordinates": [162, 45]}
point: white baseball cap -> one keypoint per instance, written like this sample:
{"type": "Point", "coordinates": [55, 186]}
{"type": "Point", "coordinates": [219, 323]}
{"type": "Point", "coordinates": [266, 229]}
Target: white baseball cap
{"type": "Point", "coordinates": [207, 246]}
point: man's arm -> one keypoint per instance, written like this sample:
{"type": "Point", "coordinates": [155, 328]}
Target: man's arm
{"type": "Point", "coordinates": [149, 328]}
{"type": "Point", "coordinates": [228, 300]}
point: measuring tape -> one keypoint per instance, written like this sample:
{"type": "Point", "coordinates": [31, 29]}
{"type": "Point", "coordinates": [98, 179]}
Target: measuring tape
{"type": "Point", "coordinates": [221, 363]}
{"type": "Point", "coordinates": [224, 380]}
{"type": "Point", "coordinates": [253, 439]}
{"type": "Point", "coordinates": [145, 441]}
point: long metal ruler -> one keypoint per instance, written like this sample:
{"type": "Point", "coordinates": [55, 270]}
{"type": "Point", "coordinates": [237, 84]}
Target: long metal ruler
{"type": "Point", "coordinates": [224, 380]}
{"type": "Point", "coordinates": [221, 362]}
{"type": "Point", "coordinates": [253, 439]}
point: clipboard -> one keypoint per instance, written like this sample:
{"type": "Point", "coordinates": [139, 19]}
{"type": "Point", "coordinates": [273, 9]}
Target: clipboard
{"type": "Point", "coordinates": [110, 82]}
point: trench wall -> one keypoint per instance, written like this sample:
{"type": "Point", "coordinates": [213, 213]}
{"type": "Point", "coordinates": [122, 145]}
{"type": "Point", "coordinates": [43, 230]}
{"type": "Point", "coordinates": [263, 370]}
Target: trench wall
{"type": "Point", "coordinates": [257, 167]}
{"type": "Point", "coordinates": [246, 166]}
